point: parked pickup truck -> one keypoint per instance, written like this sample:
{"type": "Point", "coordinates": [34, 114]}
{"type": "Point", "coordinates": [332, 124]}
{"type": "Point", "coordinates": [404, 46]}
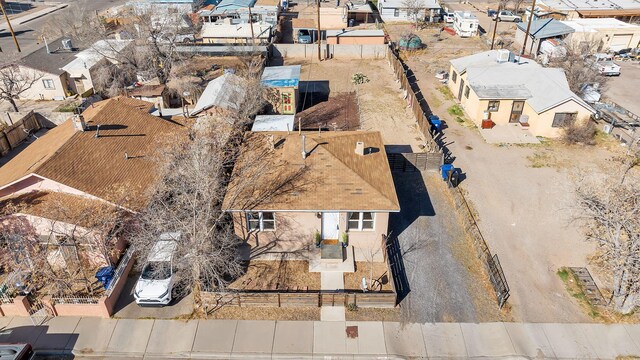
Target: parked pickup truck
{"type": "Point", "coordinates": [506, 15]}
{"type": "Point", "coordinates": [604, 64]}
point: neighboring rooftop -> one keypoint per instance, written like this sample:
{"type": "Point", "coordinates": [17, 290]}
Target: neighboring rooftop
{"type": "Point", "coordinates": [593, 25]}
{"type": "Point", "coordinates": [591, 4]}
{"type": "Point", "coordinates": [98, 166]}
{"type": "Point", "coordinates": [466, 15]}
{"type": "Point", "coordinates": [273, 123]}
{"type": "Point", "coordinates": [543, 88]}
{"type": "Point", "coordinates": [226, 92]}
{"type": "Point", "coordinates": [86, 59]}
{"type": "Point", "coordinates": [232, 5]}
{"type": "Point", "coordinates": [53, 60]}
{"type": "Point", "coordinates": [546, 28]}
{"type": "Point", "coordinates": [271, 173]}
{"type": "Point", "coordinates": [281, 76]}
{"type": "Point", "coordinates": [304, 23]}
{"type": "Point", "coordinates": [261, 30]}
{"type": "Point", "coordinates": [148, 91]}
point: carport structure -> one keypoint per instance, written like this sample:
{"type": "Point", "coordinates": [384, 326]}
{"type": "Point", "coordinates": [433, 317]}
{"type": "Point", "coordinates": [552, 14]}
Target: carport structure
{"type": "Point", "coordinates": [541, 30]}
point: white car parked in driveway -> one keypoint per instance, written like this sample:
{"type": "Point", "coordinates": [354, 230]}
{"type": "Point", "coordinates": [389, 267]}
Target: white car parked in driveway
{"type": "Point", "coordinates": [157, 279]}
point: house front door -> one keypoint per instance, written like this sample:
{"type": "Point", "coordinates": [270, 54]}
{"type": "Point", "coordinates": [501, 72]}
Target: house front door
{"type": "Point", "coordinates": [516, 111]}
{"type": "Point", "coordinates": [330, 225]}
{"type": "Point", "coordinates": [460, 90]}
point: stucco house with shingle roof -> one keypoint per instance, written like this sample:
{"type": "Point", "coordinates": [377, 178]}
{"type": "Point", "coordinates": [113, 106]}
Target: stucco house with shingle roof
{"type": "Point", "coordinates": [498, 86]}
{"type": "Point", "coordinates": [282, 197]}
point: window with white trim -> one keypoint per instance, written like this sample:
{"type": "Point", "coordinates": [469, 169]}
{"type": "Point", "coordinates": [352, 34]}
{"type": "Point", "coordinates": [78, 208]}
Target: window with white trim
{"type": "Point", "coordinates": [396, 12]}
{"type": "Point", "coordinates": [454, 76]}
{"type": "Point", "coordinates": [361, 221]}
{"type": "Point", "coordinates": [494, 105]}
{"type": "Point", "coordinates": [48, 84]}
{"type": "Point", "coordinates": [261, 221]}
{"type": "Point", "coordinates": [563, 119]}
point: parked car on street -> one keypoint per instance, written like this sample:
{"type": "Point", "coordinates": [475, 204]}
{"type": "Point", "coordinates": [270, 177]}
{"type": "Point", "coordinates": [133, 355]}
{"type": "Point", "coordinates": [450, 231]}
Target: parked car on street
{"type": "Point", "coordinates": [155, 285]}
{"type": "Point", "coordinates": [507, 15]}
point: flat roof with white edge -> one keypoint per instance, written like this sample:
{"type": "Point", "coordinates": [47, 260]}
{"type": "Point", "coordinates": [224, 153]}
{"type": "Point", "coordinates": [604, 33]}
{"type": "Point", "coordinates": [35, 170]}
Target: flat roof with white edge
{"type": "Point", "coordinates": [593, 25]}
{"type": "Point", "coordinates": [355, 33]}
{"type": "Point", "coordinates": [281, 76]}
{"type": "Point", "coordinates": [591, 4]}
{"type": "Point", "coordinates": [273, 123]}
{"type": "Point", "coordinates": [466, 15]}
{"type": "Point", "coordinates": [229, 31]}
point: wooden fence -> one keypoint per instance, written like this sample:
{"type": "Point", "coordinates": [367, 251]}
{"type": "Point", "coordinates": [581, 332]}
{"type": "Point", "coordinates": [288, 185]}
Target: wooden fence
{"type": "Point", "coordinates": [14, 134]}
{"type": "Point", "coordinates": [415, 162]}
{"type": "Point", "coordinates": [316, 298]}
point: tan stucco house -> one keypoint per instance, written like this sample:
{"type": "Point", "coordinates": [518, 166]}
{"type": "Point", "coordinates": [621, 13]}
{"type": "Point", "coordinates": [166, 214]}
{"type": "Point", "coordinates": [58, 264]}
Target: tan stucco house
{"type": "Point", "coordinates": [498, 86]}
{"type": "Point", "coordinates": [293, 193]}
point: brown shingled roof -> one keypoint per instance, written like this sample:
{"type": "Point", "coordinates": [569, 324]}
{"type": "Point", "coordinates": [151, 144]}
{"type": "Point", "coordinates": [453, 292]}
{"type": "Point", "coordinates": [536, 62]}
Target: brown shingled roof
{"type": "Point", "coordinates": [98, 166]}
{"type": "Point", "coordinates": [332, 177]}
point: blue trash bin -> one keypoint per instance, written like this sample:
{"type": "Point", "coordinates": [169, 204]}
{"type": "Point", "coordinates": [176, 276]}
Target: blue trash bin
{"type": "Point", "coordinates": [433, 117]}
{"type": "Point", "coordinates": [436, 125]}
{"type": "Point", "coordinates": [105, 275]}
{"type": "Point", "coordinates": [445, 171]}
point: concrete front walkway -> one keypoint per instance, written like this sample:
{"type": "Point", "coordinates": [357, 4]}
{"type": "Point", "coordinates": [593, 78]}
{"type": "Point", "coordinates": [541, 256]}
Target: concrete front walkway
{"type": "Point", "coordinates": [94, 337]}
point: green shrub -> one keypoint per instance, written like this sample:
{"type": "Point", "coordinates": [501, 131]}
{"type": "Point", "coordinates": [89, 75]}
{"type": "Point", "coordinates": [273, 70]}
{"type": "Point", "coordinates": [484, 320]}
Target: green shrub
{"type": "Point", "coordinates": [455, 110]}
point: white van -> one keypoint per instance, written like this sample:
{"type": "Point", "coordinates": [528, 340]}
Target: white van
{"type": "Point", "coordinates": [156, 280]}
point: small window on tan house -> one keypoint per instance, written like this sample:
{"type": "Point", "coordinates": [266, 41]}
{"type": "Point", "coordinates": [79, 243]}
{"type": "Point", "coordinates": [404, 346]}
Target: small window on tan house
{"type": "Point", "coordinates": [466, 92]}
{"type": "Point", "coordinates": [563, 119]}
{"type": "Point", "coordinates": [48, 84]}
{"type": "Point", "coordinates": [494, 105]}
{"type": "Point", "coordinates": [454, 76]}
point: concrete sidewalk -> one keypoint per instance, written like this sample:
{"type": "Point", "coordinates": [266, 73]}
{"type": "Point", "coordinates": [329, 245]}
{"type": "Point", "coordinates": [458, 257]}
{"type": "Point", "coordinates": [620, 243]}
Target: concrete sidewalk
{"type": "Point", "coordinates": [25, 18]}
{"type": "Point", "coordinates": [95, 337]}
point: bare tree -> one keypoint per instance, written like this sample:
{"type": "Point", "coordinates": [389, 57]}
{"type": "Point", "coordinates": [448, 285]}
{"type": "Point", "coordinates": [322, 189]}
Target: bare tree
{"type": "Point", "coordinates": [414, 8]}
{"type": "Point", "coordinates": [578, 67]}
{"type": "Point", "coordinates": [610, 208]}
{"type": "Point", "coordinates": [14, 81]}
{"type": "Point", "coordinates": [517, 4]}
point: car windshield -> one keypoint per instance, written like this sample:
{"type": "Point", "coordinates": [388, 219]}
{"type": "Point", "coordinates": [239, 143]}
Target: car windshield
{"type": "Point", "coordinates": [156, 270]}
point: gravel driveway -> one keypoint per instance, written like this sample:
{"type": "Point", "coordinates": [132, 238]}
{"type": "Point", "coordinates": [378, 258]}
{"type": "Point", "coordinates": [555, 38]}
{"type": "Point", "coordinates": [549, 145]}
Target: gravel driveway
{"type": "Point", "coordinates": [443, 276]}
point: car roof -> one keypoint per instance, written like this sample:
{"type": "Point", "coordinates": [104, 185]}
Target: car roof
{"type": "Point", "coordinates": [164, 249]}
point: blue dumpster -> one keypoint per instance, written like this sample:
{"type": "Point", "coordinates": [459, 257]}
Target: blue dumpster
{"type": "Point", "coordinates": [433, 117]}
{"type": "Point", "coordinates": [445, 171]}
{"type": "Point", "coordinates": [104, 275]}
{"type": "Point", "coordinates": [436, 125]}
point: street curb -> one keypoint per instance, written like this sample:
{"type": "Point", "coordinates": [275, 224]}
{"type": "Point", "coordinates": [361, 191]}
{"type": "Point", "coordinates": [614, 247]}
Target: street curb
{"type": "Point", "coordinates": [58, 7]}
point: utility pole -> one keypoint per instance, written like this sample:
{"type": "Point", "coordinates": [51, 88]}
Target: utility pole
{"type": "Point", "coordinates": [526, 34]}
{"type": "Point", "coordinates": [253, 38]}
{"type": "Point", "coordinates": [6, 17]}
{"type": "Point", "coordinates": [495, 25]}
{"type": "Point", "coordinates": [319, 33]}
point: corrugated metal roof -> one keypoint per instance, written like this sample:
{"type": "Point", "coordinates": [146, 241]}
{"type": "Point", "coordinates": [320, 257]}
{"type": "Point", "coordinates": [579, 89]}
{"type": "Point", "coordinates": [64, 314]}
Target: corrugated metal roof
{"type": "Point", "coordinates": [546, 28]}
{"type": "Point", "coordinates": [224, 92]}
{"type": "Point", "coordinates": [281, 76]}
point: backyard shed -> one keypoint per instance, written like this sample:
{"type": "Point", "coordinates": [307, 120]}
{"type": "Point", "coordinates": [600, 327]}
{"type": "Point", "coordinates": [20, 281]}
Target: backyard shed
{"type": "Point", "coordinates": [284, 80]}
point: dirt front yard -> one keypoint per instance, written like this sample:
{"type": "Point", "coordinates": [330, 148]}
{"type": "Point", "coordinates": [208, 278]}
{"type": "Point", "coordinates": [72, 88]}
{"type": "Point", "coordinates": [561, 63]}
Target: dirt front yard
{"type": "Point", "coordinates": [277, 275]}
{"type": "Point", "coordinates": [523, 195]}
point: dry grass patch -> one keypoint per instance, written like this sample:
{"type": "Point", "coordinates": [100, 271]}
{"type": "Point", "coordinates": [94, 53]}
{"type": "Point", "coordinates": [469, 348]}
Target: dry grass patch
{"type": "Point", "coordinates": [283, 274]}
{"type": "Point", "coordinates": [373, 314]}
{"type": "Point", "coordinates": [266, 313]}
{"type": "Point", "coordinates": [541, 159]}
{"type": "Point", "coordinates": [376, 271]}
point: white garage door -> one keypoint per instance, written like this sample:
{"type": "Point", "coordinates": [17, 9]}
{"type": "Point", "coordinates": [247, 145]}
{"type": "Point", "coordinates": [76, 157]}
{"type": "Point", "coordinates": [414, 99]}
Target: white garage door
{"type": "Point", "coordinates": [620, 41]}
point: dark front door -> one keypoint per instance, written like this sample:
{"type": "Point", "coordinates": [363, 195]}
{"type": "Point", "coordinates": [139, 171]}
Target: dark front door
{"type": "Point", "coordinates": [516, 111]}
{"type": "Point", "coordinates": [461, 89]}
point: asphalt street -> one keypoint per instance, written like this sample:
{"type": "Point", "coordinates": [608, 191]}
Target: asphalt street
{"type": "Point", "coordinates": [29, 33]}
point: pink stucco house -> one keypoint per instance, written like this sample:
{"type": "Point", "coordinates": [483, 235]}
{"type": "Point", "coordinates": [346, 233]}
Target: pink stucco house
{"type": "Point", "coordinates": [303, 193]}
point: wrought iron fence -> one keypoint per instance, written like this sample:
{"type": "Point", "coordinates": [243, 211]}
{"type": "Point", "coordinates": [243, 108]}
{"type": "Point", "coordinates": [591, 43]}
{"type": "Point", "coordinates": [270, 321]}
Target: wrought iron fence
{"type": "Point", "coordinates": [124, 262]}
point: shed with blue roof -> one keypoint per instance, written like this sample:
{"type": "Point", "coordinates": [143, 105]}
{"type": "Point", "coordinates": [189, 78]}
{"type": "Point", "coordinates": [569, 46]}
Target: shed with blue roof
{"type": "Point", "coordinates": [284, 80]}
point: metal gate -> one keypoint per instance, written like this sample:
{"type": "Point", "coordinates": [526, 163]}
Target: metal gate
{"type": "Point", "coordinates": [39, 313]}
{"type": "Point", "coordinates": [498, 281]}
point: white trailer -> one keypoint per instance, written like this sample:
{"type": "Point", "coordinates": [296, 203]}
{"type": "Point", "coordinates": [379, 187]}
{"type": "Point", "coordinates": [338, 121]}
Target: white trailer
{"type": "Point", "coordinates": [465, 24]}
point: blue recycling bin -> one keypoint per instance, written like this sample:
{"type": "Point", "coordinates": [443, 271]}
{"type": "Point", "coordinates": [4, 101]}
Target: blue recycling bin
{"type": "Point", "coordinates": [445, 171]}
{"type": "Point", "coordinates": [433, 117]}
{"type": "Point", "coordinates": [436, 125]}
{"type": "Point", "coordinates": [105, 275]}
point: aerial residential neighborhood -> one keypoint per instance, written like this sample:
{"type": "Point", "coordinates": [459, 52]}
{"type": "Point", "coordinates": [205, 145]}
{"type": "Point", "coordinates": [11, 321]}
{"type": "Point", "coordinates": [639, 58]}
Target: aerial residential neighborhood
{"type": "Point", "coordinates": [406, 179]}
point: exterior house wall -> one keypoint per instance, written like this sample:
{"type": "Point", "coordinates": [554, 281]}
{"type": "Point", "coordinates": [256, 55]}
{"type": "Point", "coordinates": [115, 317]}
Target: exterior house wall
{"type": "Point", "coordinates": [388, 13]}
{"type": "Point", "coordinates": [294, 234]}
{"type": "Point", "coordinates": [541, 124]}
{"type": "Point", "coordinates": [606, 36]}
{"type": "Point", "coordinates": [38, 91]}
